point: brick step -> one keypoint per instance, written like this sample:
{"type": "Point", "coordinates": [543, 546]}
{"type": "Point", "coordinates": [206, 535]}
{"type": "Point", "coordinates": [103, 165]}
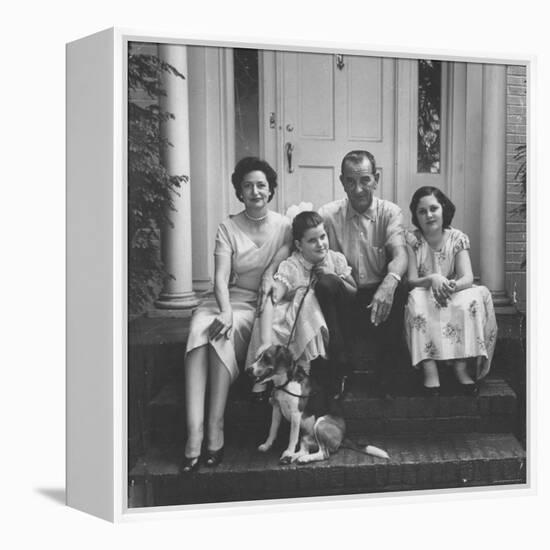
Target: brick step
{"type": "Point", "coordinates": [417, 462]}
{"type": "Point", "coordinates": [494, 410]}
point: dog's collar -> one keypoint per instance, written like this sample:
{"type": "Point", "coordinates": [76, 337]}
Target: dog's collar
{"type": "Point", "coordinates": [283, 388]}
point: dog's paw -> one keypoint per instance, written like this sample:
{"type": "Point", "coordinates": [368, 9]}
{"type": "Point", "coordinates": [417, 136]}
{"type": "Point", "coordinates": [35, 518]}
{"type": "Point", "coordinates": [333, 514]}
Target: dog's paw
{"type": "Point", "coordinates": [286, 457]}
{"type": "Point", "coordinates": [299, 458]}
{"type": "Point", "coordinates": [264, 447]}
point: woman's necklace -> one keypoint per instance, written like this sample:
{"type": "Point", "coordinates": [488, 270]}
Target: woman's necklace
{"type": "Point", "coordinates": [253, 219]}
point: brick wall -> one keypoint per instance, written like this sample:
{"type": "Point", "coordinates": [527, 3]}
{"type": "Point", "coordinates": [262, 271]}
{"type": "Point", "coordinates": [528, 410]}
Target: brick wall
{"type": "Point", "coordinates": [515, 223]}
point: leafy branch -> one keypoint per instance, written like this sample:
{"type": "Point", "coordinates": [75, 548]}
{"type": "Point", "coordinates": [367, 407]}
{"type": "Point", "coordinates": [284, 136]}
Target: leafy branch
{"type": "Point", "coordinates": [150, 187]}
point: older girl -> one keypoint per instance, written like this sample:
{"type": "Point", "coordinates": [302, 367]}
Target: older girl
{"type": "Point", "coordinates": [447, 318]}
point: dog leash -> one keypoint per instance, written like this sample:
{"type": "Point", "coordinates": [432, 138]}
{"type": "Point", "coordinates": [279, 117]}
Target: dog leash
{"type": "Point", "coordinates": [309, 286]}
{"type": "Point", "coordinates": [283, 386]}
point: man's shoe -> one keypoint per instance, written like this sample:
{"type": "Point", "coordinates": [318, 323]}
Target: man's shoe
{"type": "Point", "coordinates": [341, 388]}
{"type": "Point", "coordinates": [386, 390]}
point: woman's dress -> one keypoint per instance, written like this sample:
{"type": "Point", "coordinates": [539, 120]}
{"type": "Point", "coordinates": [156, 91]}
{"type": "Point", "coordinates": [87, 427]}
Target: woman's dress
{"type": "Point", "coordinates": [466, 327]}
{"type": "Point", "coordinates": [310, 338]}
{"type": "Point", "coordinates": [248, 262]}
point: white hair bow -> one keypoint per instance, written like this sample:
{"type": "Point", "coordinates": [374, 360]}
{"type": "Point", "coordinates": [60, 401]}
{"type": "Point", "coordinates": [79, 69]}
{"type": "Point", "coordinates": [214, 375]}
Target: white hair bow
{"type": "Point", "coordinates": [294, 209]}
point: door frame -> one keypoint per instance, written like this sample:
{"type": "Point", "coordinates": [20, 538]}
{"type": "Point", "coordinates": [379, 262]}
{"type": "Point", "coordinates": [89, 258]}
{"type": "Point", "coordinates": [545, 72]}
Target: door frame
{"type": "Point", "coordinates": [270, 109]}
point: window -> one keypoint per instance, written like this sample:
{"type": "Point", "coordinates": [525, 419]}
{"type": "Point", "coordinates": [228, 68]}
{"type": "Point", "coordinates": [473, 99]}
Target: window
{"type": "Point", "coordinates": [429, 117]}
{"type": "Point", "coordinates": [247, 129]}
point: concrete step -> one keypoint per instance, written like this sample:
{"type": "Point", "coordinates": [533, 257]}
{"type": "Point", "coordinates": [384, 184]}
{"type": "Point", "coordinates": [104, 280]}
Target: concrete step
{"type": "Point", "coordinates": [417, 462]}
{"type": "Point", "coordinates": [493, 410]}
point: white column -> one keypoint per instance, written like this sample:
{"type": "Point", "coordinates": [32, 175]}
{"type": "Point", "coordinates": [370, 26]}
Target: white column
{"type": "Point", "coordinates": [212, 148]}
{"type": "Point", "coordinates": [493, 182]}
{"type": "Point", "coordinates": [176, 240]}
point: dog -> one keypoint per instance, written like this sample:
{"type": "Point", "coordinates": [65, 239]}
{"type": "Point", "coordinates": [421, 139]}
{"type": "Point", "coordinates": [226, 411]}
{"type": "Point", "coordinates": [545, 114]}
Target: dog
{"type": "Point", "coordinates": [296, 397]}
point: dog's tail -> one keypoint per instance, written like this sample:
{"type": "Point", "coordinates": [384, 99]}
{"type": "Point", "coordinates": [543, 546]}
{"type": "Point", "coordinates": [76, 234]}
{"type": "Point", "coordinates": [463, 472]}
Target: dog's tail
{"type": "Point", "coordinates": [368, 450]}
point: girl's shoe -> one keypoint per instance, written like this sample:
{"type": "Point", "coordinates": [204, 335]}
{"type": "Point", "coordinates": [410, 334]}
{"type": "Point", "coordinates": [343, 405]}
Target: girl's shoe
{"type": "Point", "coordinates": [259, 396]}
{"type": "Point", "coordinates": [470, 390]}
{"type": "Point", "coordinates": [189, 464]}
{"type": "Point", "coordinates": [213, 458]}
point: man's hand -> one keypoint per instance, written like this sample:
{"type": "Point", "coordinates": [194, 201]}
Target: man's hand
{"type": "Point", "coordinates": [382, 301]}
{"type": "Point", "coordinates": [321, 270]}
{"type": "Point", "coordinates": [222, 325]}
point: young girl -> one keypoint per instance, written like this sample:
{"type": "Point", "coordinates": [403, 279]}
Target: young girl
{"type": "Point", "coordinates": [311, 257]}
{"type": "Point", "coordinates": [446, 318]}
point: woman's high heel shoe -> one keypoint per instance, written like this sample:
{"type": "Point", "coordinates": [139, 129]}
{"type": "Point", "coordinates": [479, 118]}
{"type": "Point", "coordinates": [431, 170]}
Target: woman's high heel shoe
{"type": "Point", "coordinates": [213, 458]}
{"type": "Point", "coordinates": [190, 464]}
{"type": "Point", "coordinates": [432, 391]}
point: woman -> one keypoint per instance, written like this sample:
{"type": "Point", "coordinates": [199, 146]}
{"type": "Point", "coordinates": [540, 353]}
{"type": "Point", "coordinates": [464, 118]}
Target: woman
{"type": "Point", "coordinates": [246, 244]}
{"type": "Point", "coordinates": [446, 318]}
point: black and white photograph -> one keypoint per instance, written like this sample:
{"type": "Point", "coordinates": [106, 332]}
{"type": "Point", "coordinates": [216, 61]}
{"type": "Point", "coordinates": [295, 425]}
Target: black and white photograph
{"type": "Point", "coordinates": [275, 274]}
{"type": "Point", "coordinates": [327, 256]}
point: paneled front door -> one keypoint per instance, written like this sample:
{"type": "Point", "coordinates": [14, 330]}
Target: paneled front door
{"type": "Point", "coordinates": [329, 105]}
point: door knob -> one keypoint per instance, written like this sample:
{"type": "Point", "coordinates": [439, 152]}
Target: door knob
{"type": "Point", "coordinates": [289, 128]}
{"type": "Point", "coordinates": [289, 148]}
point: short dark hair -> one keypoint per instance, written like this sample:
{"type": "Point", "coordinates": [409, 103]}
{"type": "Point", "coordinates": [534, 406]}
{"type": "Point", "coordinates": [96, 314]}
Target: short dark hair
{"type": "Point", "coordinates": [251, 164]}
{"type": "Point", "coordinates": [304, 221]}
{"type": "Point", "coordinates": [356, 157]}
{"type": "Point", "coordinates": [445, 202]}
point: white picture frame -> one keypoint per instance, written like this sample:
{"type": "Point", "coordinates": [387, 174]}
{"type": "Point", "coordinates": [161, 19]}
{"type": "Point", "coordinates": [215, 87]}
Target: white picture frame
{"type": "Point", "coordinates": [97, 316]}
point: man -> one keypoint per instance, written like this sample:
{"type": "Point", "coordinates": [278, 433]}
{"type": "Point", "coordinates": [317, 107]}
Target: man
{"type": "Point", "coordinates": [369, 232]}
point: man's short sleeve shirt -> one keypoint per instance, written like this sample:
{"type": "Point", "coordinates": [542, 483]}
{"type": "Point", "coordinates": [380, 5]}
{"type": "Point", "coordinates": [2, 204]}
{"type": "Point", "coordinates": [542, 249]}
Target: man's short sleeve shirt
{"type": "Point", "coordinates": [365, 239]}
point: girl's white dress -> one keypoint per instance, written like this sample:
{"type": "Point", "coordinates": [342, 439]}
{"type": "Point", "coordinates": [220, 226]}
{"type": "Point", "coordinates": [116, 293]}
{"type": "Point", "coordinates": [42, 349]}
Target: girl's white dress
{"type": "Point", "coordinates": [466, 327]}
{"type": "Point", "coordinates": [311, 336]}
{"type": "Point", "coordinates": [248, 262]}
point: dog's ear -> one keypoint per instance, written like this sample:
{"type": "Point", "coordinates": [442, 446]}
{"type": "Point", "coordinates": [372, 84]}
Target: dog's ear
{"type": "Point", "coordinates": [283, 355]}
{"type": "Point", "coordinates": [297, 372]}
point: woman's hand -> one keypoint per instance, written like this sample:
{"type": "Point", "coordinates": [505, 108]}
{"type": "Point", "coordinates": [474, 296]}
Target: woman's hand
{"type": "Point", "coordinates": [222, 325]}
{"type": "Point", "coordinates": [441, 288]}
{"type": "Point", "coordinates": [266, 290]}
{"type": "Point", "coordinates": [278, 293]}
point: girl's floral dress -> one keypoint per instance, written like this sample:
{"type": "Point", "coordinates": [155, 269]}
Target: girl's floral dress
{"type": "Point", "coordinates": [466, 327]}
